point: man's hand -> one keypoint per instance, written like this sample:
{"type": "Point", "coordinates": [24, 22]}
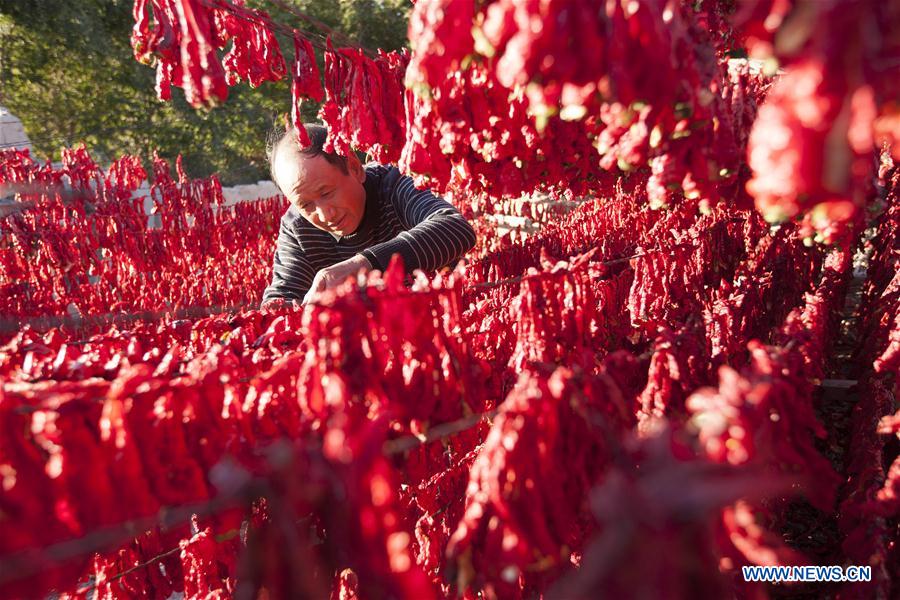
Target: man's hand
{"type": "Point", "coordinates": [335, 275]}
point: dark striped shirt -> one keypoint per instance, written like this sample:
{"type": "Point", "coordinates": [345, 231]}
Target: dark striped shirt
{"type": "Point", "coordinates": [426, 230]}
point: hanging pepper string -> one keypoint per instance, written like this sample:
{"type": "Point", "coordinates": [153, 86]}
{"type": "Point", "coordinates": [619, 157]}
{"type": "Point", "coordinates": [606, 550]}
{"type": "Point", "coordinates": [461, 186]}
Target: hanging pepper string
{"type": "Point", "coordinates": [29, 562]}
{"type": "Point", "coordinates": [315, 38]}
{"type": "Point", "coordinates": [335, 35]}
{"type": "Point", "coordinates": [12, 325]}
{"type": "Point", "coordinates": [224, 537]}
{"type": "Point", "coordinates": [32, 561]}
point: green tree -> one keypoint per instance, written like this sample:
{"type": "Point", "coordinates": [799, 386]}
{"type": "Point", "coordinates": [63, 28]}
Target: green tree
{"type": "Point", "coordinates": [67, 71]}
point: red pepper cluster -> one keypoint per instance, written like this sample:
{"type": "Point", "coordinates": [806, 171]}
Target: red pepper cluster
{"type": "Point", "coordinates": [183, 40]}
{"type": "Point", "coordinates": [305, 83]}
{"type": "Point", "coordinates": [499, 99]}
{"type": "Point", "coordinates": [882, 288]}
{"type": "Point", "coordinates": [524, 514]}
{"type": "Point", "coordinates": [183, 45]}
{"type": "Point", "coordinates": [364, 102]}
{"type": "Point", "coordinates": [644, 533]}
{"type": "Point", "coordinates": [870, 510]}
{"type": "Point", "coordinates": [338, 414]}
{"type": "Point", "coordinates": [490, 112]}
{"type": "Point", "coordinates": [254, 56]}
{"type": "Point", "coordinates": [438, 32]}
{"type": "Point", "coordinates": [83, 244]}
{"type": "Point", "coordinates": [808, 173]}
{"type": "Point", "coordinates": [160, 427]}
{"type": "Point", "coordinates": [749, 418]}
{"type": "Point", "coordinates": [569, 415]}
{"type": "Point", "coordinates": [810, 148]}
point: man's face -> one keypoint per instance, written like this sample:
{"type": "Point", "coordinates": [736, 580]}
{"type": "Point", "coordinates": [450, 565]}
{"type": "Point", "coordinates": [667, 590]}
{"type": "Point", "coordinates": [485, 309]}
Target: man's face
{"type": "Point", "coordinates": [327, 197]}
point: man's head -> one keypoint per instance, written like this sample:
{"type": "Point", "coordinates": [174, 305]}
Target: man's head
{"type": "Point", "coordinates": [326, 188]}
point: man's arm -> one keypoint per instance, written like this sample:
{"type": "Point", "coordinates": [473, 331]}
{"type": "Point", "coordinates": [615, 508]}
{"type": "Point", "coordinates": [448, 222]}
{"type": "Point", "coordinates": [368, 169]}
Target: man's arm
{"type": "Point", "coordinates": [436, 234]}
{"type": "Point", "coordinates": [292, 274]}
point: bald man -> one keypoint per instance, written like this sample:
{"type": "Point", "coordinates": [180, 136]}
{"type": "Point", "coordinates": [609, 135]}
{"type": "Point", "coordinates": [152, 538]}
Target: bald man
{"type": "Point", "coordinates": [345, 217]}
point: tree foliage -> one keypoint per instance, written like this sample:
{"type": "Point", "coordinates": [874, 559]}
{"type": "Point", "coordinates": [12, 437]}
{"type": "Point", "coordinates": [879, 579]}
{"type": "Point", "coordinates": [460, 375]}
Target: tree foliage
{"type": "Point", "coordinates": [67, 71]}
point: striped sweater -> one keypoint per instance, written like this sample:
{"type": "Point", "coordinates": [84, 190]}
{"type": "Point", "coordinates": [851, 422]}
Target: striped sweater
{"type": "Point", "coordinates": [424, 229]}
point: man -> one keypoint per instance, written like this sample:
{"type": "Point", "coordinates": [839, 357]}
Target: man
{"type": "Point", "coordinates": [345, 217]}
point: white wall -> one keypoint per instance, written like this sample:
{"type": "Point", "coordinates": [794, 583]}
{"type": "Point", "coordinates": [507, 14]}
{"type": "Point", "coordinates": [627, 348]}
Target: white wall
{"type": "Point", "coordinates": [12, 133]}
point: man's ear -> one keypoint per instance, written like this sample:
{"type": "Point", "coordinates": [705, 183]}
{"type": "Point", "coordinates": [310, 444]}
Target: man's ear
{"type": "Point", "coordinates": [355, 168]}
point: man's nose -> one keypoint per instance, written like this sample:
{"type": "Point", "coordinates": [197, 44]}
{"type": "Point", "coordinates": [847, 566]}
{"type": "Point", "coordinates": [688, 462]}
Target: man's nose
{"type": "Point", "coordinates": [328, 213]}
